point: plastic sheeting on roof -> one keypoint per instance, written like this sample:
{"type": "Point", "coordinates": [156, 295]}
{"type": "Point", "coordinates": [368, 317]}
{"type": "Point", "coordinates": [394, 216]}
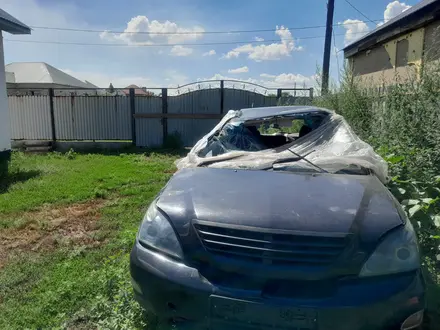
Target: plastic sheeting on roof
{"type": "Point", "coordinates": [333, 146]}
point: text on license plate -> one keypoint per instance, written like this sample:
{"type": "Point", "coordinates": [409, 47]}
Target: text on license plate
{"type": "Point", "coordinates": [248, 314]}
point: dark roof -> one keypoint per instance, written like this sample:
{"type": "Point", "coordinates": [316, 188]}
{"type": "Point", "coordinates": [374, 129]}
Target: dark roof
{"type": "Point", "coordinates": [412, 18]}
{"type": "Point", "coordinates": [12, 25]}
{"type": "Point", "coordinates": [267, 112]}
{"type": "Point", "coordinates": [137, 90]}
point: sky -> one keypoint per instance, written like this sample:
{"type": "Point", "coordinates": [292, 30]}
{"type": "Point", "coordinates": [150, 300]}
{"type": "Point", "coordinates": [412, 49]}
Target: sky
{"type": "Point", "coordinates": [287, 53]}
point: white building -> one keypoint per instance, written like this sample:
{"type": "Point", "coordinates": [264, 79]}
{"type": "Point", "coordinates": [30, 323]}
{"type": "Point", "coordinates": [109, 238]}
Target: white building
{"type": "Point", "coordinates": [34, 78]}
{"type": "Point", "coordinates": [11, 25]}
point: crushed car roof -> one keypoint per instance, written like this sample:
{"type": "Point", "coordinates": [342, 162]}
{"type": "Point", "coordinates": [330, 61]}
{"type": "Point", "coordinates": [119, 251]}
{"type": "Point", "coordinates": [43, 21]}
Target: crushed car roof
{"type": "Point", "coordinates": [333, 145]}
{"type": "Point", "coordinates": [265, 112]}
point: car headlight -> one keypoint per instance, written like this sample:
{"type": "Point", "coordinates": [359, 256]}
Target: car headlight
{"type": "Point", "coordinates": [156, 232]}
{"type": "Point", "coordinates": [397, 253]}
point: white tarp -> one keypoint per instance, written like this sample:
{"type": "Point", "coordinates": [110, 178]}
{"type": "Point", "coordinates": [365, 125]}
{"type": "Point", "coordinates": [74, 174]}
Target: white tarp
{"type": "Point", "coordinates": [333, 146]}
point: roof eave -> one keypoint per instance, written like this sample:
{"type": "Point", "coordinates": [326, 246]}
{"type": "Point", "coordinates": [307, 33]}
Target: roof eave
{"type": "Point", "coordinates": [399, 27]}
{"type": "Point", "coordinates": [14, 28]}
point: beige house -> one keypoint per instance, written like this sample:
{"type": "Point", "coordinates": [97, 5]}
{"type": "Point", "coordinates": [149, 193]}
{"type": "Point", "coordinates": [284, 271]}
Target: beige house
{"type": "Point", "coordinates": [396, 50]}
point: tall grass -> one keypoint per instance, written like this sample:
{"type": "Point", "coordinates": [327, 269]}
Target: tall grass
{"type": "Point", "coordinates": [402, 123]}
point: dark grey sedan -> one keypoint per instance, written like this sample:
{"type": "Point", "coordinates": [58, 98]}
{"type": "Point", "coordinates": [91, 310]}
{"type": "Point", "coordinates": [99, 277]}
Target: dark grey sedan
{"type": "Point", "coordinates": [266, 228]}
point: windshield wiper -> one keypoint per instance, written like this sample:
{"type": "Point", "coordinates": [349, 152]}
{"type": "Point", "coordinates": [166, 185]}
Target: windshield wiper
{"type": "Point", "coordinates": [308, 161]}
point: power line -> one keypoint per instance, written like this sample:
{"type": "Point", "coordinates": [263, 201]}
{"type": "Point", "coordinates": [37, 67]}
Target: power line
{"type": "Point", "coordinates": [359, 11]}
{"type": "Point", "coordinates": [187, 32]}
{"type": "Point", "coordinates": [168, 45]}
{"type": "Point", "coordinates": [169, 33]}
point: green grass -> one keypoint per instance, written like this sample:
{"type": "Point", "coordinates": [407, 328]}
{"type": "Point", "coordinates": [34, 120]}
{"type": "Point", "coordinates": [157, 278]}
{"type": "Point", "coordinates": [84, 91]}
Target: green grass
{"type": "Point", "coordinates": [77, 287]}
{"type": "Point", "coordinates": [82, 287]}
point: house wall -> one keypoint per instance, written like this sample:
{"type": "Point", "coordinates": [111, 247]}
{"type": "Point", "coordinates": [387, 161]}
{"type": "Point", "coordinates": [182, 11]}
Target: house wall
{"type": "Point", "coordinates": [10, 77]}
{"type": "Point", "coordinates": [432, 41]}
{"type": "Point", "coordinates": [399, 59]}
{"type": "Point", "coordinates": [5, 134]}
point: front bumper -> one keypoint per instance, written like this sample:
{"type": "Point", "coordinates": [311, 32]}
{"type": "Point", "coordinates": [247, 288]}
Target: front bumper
{"type": "Point", "coordinates": [175, 291]}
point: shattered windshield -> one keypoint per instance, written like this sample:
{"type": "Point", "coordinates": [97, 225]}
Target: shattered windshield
{"type": "Point", "coordinates": [261, 133]}
{"type": "Point", "coordinates": [246, 139]}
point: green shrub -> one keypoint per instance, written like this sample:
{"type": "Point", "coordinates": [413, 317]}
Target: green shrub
{"type": "Point", "coordinates": [173, 141]}
{"type": "Point", "coordinates": [403, 125]}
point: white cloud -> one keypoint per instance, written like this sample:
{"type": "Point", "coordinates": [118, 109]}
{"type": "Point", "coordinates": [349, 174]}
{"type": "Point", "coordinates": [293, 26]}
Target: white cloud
{"type": "Point", "coordinates": [103, 80]}
{"type": "Point", "coordinates": [181, 51]}
{"type": "Point", "coordinates": [169, 78]}
{"type": "Point", "coordinates": [175, 78]}
{"type": "Point", "coordinates": [236, 52]}
{"type": "Point", "coordinates": [210, 53]}
{"type": "Point", "coordinates": [259, 39]}
{"type": "Point", "coordinates": [393, 9]}
{"type": "Point", "coordinates": [274, 51]}
{"type": "Point", "coordinates": [266, 75]}
{"type": "Point", "coordinates": [289, 79]}
{"type": "Point", "coordinates": [243, 69]}
{"type": "Point", "coordinates": [275, 81]}
{"type": "Point", "coordinates": [141, 31]}
{"type": "Point", "coordinates": [355, 29]}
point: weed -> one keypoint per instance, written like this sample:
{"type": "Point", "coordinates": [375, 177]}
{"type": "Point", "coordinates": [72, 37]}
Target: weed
{"type": "Point", "coordinates": [402, 124]}
{"type": "Point", "coordinates": [173, 141]}
{"type": "Point", "coordinates": [61, 284]}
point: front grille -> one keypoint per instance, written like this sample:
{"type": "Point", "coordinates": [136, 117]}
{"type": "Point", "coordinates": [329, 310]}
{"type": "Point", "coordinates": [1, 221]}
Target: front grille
{"type": "Point", "coordinates": [270, 247]}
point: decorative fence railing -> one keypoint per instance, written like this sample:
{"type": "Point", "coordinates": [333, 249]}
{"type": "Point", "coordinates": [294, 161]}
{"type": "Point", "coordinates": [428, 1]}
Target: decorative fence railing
{"type": "Point", "coordinates": [144, 116]}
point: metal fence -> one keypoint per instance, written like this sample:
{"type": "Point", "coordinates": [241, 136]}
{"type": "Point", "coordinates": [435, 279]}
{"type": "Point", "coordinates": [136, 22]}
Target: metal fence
{"type": "Point", "coordinates": [30, 117]}
{"type": "Point", "coordinates": [92, 118]}
{"type": "Point", "coordinates": [145, 118]}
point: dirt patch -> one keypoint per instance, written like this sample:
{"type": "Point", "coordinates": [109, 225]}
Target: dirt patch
{"type": "Point", "coordinates": [49, 228]}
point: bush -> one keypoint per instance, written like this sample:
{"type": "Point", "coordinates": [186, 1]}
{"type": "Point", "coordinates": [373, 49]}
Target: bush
{"type": "Point", "coordinates": [173, 141]}
{"type": "Point", "coordinates": [403, 125]}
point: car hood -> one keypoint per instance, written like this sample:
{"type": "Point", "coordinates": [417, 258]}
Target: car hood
{"type": "Point", "coordinates": [303, 202]}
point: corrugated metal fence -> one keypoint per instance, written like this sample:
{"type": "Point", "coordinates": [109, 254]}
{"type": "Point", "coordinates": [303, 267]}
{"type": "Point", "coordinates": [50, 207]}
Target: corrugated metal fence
{"type": "Point", "coordinates": [92, 117]}
{"type": "Point", "coordinates": [149, 131]}
{"type": "Point", "coordinates": [30, 117]}
{"type": "Point", "coordinates": [197, 103]}
{"type": "Point", "coordinates": [144, 119]}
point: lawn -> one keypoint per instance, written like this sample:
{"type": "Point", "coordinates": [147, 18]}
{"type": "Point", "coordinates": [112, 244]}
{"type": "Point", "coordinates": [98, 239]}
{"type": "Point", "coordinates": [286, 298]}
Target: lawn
{"type": "Point", "coordinates": [67, 223]}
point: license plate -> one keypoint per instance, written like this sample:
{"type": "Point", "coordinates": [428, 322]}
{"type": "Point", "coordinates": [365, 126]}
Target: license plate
{"type": "Point", "coordinates": [229, 313]}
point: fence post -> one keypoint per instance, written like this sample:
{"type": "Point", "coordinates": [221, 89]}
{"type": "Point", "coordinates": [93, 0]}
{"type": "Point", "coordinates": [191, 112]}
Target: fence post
{"type": "Point", "coordinates": [133, 118]}
{"type": "Point", "coordinates": [311, 93]}
{"type": "Point", "coordinates": [52, 116]}
{"type": "Point", "coordinates": [164, 112]}
{"type": "Point", "coordinates": [279, 93]}
{"type": "Point", "coordinates": [222, 96]}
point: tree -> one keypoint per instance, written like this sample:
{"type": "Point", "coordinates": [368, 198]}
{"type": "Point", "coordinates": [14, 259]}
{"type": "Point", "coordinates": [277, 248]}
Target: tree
{"type": "Point", "coordinates": [111, 89]}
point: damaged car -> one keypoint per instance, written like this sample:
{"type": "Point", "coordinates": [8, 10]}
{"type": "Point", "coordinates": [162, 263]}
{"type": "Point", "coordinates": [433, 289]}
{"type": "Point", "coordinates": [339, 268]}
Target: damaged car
{"type": "Point", "coordinates": [279, 218]}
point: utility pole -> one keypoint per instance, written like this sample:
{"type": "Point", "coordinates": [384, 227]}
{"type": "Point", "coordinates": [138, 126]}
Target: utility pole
{"type": "Point", "coordinates": [327, 46]}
